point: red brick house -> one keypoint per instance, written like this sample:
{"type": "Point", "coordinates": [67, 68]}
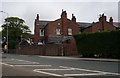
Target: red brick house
{"type": "Point", "coordinates": [60, 31]}
{"type": "Point", "coordinates": [101, 25]}
{"type": "Point", "coordinates": [56, 37]}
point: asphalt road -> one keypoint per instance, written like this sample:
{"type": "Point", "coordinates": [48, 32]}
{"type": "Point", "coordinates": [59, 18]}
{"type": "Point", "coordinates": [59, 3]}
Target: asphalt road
{"type": "Point", "coordinates": [29, 66]}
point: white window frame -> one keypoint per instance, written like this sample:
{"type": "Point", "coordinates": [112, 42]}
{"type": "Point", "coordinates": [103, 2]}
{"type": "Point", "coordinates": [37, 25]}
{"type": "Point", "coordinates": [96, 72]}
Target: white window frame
{"type": "Point", "coordinates": [70, 32]}
{"type": "Point", "coordinates": [42, 32]}
{"type": "Point", "coordinates": [58, 31]}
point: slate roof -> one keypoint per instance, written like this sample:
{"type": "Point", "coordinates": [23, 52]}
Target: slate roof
{"type": "Point", "coordinates": [59, 39]}
{"type": "Point", "coordinates": [80, 24]}
{"type": "Point", "coordinates": [83, 24]}
{"type": "Point", "coordinates": [43, 23]}
{"type": "Point", "coordinates": [116, 24]}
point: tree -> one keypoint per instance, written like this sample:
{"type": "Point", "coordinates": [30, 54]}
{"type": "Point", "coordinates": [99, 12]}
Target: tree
{"type": "Point", "coordinates": [0, 35]}
{"type": "Point", "coordinates": [16, 30]}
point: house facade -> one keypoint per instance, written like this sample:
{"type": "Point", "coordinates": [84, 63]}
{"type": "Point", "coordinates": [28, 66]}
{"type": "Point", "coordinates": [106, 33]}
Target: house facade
{"type": "Point", "coordinates": [60, 32]}
{"type": "Point", "coordinates": [101, 25]}
{"type": "Point", "coordinates": [56, 37]}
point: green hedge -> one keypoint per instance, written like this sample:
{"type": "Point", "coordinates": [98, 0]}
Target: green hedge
{"type": "Point", "coordinates": [99, 44]}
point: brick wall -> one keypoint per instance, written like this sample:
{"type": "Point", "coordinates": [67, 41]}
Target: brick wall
{"type": "Point", "coordinates": [48, 49]}
{"type": "Point", "coordinates": [52, 26]}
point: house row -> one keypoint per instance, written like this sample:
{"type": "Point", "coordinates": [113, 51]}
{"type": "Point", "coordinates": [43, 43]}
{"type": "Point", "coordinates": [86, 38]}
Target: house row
{"type": "Point", "coordinates": [61, 31]}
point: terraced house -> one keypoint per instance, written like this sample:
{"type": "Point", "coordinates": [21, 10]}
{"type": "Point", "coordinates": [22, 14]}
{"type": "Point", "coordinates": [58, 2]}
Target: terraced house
{"type": "Point", "coordinates": [60, 31]}
{"type": "Point", "coordinates": [56, 37]}
{"type": "Point", "coordinates": [101, 25]}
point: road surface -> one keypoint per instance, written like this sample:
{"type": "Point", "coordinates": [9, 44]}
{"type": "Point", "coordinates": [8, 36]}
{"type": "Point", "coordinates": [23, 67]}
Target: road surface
{"type": "Point", "coordinates": [34, 66]}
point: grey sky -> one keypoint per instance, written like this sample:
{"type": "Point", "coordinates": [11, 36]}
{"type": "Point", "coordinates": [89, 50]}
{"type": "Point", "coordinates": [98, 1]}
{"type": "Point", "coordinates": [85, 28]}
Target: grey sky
{"type": "Point", "coordinates": [51, 10]}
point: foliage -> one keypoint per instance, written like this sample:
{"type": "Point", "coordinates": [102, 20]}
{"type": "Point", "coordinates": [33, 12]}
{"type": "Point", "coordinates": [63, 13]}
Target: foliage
{"type": "Point", "coordinates": [101, 44]}
{"type": "Point", "coordinates": [0, 38]}
{"type": "Point", "coordinates": [15, 28]}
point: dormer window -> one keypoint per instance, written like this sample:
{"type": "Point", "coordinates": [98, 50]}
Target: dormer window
{"type": "Point", "coordinates": [69, 31]}
{"type": "Point", "coordinates": [58, 31]}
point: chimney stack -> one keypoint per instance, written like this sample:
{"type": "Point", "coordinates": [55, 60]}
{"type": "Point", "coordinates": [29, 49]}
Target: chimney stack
{"type": "Point", "coordinates": [102, 17]}
{"type": "Point", "coordinates": [64, 14]}
{"type": "Point", "coordinates": [111, 20]}
{"type": "Point", "coordinates": [73, 18]}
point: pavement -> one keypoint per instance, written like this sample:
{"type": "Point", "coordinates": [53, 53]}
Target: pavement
{"type": "Point", "coordinates": [74, 57]}
{"type": "Point", "coordinates": [84, 59]}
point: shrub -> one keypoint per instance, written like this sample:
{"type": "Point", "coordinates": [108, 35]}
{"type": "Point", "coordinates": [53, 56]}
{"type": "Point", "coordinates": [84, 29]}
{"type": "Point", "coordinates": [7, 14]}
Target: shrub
{"type": "Point", "coordinates": [99, 44]}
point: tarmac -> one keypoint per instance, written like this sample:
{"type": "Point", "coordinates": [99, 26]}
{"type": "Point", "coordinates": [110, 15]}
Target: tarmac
{"type": "Point", "coordinates": [73, 57]}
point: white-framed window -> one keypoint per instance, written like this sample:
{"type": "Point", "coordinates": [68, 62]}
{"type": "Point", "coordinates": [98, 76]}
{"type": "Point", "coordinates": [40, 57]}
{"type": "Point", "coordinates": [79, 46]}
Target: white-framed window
{"type": "Point", "coordinates": [41, 32]}
{"type": "Point", "coordinates": [58, 31]}
{"type": "Point", "coordinates": [69, 31]}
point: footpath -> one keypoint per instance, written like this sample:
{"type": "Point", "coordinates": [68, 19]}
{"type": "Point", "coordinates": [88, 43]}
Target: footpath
{"type": "Point", "coordinates": [84, 59]}
{"type": "Point", "coordinates": [68, 57]}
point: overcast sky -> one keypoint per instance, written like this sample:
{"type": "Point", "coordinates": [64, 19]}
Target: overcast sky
{"type": "Point", "coordinates": [84, 10]}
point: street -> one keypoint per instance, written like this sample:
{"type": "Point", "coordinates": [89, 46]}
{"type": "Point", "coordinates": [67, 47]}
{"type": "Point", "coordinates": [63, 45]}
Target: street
{"type": "Point", "coordinates": [34, 66]}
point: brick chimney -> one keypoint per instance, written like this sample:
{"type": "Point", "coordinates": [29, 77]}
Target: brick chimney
{"type": "Point", "coordinates": [102, 17]}
{"type": "Point", "coordinates": [102, 21]}
{"type": "Point", "coordinates": [73, 18]}
{"type": "Point", "coordinates": [64, 23]}
{"type": "Point", "coordinates": [64, 14]}
{"type": "Point", "coordinates": [37, 30]}
{"type": "Point", "coordinates": [111, 20]}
